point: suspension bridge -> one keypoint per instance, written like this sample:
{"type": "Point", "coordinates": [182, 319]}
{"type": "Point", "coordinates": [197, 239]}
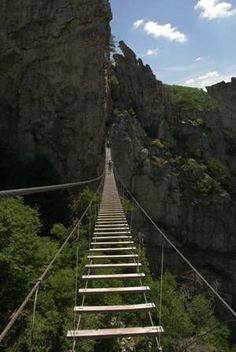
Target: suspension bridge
{"type": "Point", "coordinates": [111, 247]}
{"type": "Point", "coordinates": [112, 240]}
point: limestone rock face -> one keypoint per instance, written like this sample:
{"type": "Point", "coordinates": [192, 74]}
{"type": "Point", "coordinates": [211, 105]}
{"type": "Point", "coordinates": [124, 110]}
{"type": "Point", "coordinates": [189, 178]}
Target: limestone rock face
{"type": "Point", "coordinates": [53, 62]}
{"type": "Point", "coordinates": [225, 96]}
{"type": "Point", "coordinates": [169, 173]}
{"type": "Point", "coordinates": [139, 92]}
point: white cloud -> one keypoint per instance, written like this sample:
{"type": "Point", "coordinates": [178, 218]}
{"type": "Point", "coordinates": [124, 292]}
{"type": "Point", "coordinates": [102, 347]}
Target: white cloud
{"type": "Point", "coordinates": [200, 58]}
{"type": "Point", "coordinates": [138, 23]}
{"type": "Point", "coordinates": [189, 82]}
{"type": "Point", "coordinates": [208, 75]}
{"type": "Point", "coordinates": [152, 52]}
{"type": "Point", "coordinates": [207, 79]}
{"type": "Point", "coordinates": [157, 30]}
{"type": "Point", "coordinates": [215, 9]}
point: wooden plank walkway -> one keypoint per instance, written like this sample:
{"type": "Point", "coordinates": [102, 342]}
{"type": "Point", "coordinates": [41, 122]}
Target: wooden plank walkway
{"type": "Point", "coordinates": [116, 308]}
{"type": "Point", "coordinates": [112, 234]}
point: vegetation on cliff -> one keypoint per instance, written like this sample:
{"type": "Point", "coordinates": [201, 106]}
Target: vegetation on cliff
{"type": "Point", "coordinates": [190, 103]}
{"type": "Point", "coordinates": [25, 250]}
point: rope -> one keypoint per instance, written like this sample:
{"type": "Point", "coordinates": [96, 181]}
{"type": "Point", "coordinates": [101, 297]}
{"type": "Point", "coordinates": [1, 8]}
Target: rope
{"type": "Point", "coordinates": [76, 271]}
{"type": "Point", "coordinates": [199, 337]}
{"type": "Point", "coordinates": [33, 320]}
{"type": "Point", "coordinates": [34, 190]}
{"type": "Point", "coordinates": [161, 289]}
{"type": "Point", "coordinates": [178, 251]}
{"type": "Point", "coordinates": [159, 348]}
{"type": "Point", "coordinates": [33, 290]}
{"type": "Point", "coordinates": [88, 273]}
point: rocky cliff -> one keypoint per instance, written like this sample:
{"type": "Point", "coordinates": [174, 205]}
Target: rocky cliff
{"type": "Point", "coordinates": [182, 171]}
{"type": "Point", "coordinates": [53, 62]}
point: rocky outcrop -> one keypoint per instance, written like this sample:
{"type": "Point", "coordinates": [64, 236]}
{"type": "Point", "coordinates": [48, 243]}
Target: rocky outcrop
{"type": "Point", "coordinates": [225, 96]}
{"type": "Point", "coordinates": [53, 84]}
{"type": "Point", "coordinates": [175, 174]}
{"type": "Point", "coordinates": [138, 91]}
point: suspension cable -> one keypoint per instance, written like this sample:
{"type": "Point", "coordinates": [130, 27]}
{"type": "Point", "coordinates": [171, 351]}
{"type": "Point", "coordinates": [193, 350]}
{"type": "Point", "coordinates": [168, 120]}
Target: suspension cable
{"type": "Point", "coordinates": [76, 271]}
{"type": "Point", "coordinates": [76, 326]}
{"type": "Point", "coordinates": [40, 189]}
{"type": "Point", "coordinates": [161, 289]}
{"type": "Point", "coordinates": [49, 266]}
{"type": "Point", "coordinates": [33, 320]}
{"type": "Point", "coordinates": [177, 250]}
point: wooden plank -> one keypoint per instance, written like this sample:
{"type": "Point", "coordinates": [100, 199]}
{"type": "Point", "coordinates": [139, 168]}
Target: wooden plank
{"type": "Point", "coordinates": [111, 221]}
{"type": "Point", "coordinates": [111, 217]}
{"type": "Point", "coordinates": [102, 216]}
{"type": "Point", "coordinates": [114, 256]}
{"type": "Point", "coordinates": [116, 308]}
{"type": "Point", "coordinates": [117, 332]}
{"type": "Point", "coordinates": [111, 212]}
{"type": "Point", "coordinates": [111, 205]}
{"type": "Point", "coordinates": [112, 265]}
{"type": "Point", "coordinates": [112, 243]}
{"type": "Point", "coordinates": [111, 228]}
{"type": "Point", "coordinates": [111, 290]}
{"type": "Point", "coordinates": [112, 225]}
{"type": "Point", "coordinates": [112, 249]}
{"type": "Point", "coordinates": [98, 238]}
{"type": "Point", "coordinates": [113, 276]}
{"type": "Point", "coordinates": [112, 233]}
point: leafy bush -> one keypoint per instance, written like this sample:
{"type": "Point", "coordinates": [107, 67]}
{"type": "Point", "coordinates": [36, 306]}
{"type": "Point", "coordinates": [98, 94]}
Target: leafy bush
{"type": "Point", "coordinates": [163, 145]}
{"type": "Point", "coordinates": [23, 255]}
{"type": "Point", "coordinates": [114, 81]}
{"type": "Point", "coordinates": [118, 113]}
{"type": "Point", "coordinates": [157, 161]}
{"type": "Point", "coordinates": [128, 205]}
{"type": "Point", "coordinates": [194, 176]}
{"type": "Point", "coordinates": [160, 150]}
{"type": "Point", "coordinates": [217, 170]}
{"type": "Point", "coordinates": [188, 102]}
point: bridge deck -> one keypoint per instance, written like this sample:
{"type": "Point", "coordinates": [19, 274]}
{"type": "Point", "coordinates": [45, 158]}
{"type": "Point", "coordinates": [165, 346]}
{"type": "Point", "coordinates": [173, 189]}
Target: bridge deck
{"type": "Point", "coordinates": [112, 234]}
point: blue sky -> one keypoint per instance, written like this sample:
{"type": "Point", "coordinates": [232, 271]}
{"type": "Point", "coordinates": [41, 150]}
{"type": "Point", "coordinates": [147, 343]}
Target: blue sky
{"type": "Point", "coordinates": [189, 42]}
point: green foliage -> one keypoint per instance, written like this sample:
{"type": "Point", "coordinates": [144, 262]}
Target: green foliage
{"type": "Point", "coordinates": [194, 177]}
{"type": "Point", "coordinates": [79, 204]}
{"type": "Point", "coordinates": [188, 102]}
{"type": "Point", "coordinates": [128, 205]}
{"type": "Point", "coordinates": [118, 113]}
{"type": "Point", "coordinates": [24, 254]}
{"type": "Point", "coordinates": [157, 161]}
{"type": "Point", "coordinates": [217, 170]}
{"type": "Point", "coordinates": [187, 321]}
{"type": "Point", "coordinates": [131, 112]}
{"type": "Point", "coordinates": [22, 257]}
{"type": "Point", "coordinates": [162, 152]}
{"type": "Point", "coordinates": [199, 122]}
{"type": "Point", "coordinates": [163, 145]}
{"type": "Point", "coordinates": [114, 81]}
{"type": "Point", "coordinates": [59, 232]}
{"type": "Point", "coordinates": [125, 113]}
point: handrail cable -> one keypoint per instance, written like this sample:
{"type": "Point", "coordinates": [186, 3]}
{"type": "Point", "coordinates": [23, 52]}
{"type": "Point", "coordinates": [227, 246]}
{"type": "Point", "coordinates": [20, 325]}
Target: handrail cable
{"type": "Point", "coordinates": [161, 288]}
{"type": "Point", "coordinates": [41, 278]}
{"type": "Point", "coordinates": [159, 348]}
{"type": "Point", "coordinates": [177, 250]}
{"type": "Point", "coordinates": [41, 189]}
{"type": "Point", "coordinates": [33, 320]}
{"type": "Point", "coordinates": [88, 273]}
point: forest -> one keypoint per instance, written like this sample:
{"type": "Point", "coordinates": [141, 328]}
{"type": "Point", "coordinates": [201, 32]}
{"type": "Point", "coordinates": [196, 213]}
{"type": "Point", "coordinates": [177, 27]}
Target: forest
{"type": "Point", "coordinates": [25, 249]}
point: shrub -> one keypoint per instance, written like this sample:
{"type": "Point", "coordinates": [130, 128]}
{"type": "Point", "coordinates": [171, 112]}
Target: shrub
{"type": "Point", "coordinates": [162, 145]}
{"type": "Point", "coordinates": [217, 170]}
{"type": "Point", "coordinates": [114, 81]}
{"type": "Point", "coordinates": [195, 177]}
